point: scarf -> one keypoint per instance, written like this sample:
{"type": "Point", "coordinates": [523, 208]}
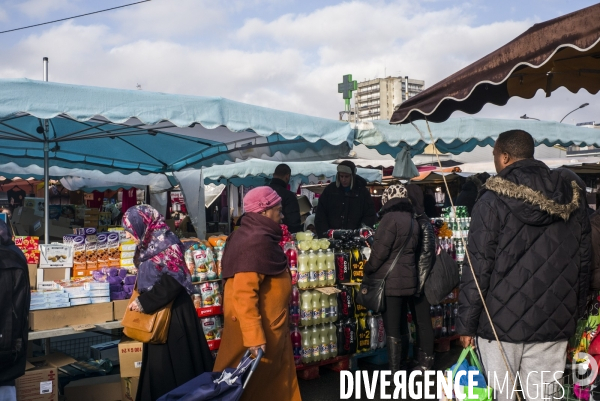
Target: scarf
{"type": "Point", "coordinates": [159, 250]}
{"type": "Point", "coordinates": [254, 247]}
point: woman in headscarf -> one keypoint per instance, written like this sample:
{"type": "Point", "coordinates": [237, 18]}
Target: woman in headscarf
{"type": "Point", "coordinates": [14, 313]}
{"type": "Point", "coordinates": [257, 293]}
{"type": "Point", "coordinates": [397, 227]}
{"type": "Point", "coordinates": [163, 277]}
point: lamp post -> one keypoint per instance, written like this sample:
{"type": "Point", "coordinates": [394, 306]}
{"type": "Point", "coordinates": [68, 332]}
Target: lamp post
{"type": "Point", "coordinates": [525, 117]}
{"type": "Point", "coordinates": [580, 107]}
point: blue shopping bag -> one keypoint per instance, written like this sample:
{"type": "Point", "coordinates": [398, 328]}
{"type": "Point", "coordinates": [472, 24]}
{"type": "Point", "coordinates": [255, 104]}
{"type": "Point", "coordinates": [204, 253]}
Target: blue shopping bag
{"type": "Point", "coordinates": [224, 386]}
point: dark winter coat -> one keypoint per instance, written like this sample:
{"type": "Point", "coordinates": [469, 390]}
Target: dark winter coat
{"type": "Point", "coordinates": [185, 355]}
{"type": "Point", "coordinates": [389, 238]}
{"type": "Point", "coordinates": [425, 251]}
{"type": "Point", "coordinates": [341, 209]}
{"type": "Point", "coordinates": [15, 297]}
{"type": "Point", "coordinates": [467, 196]}
{"type": "Point", "coordinates": [595, 270]}
{"type": "Point", "coordinates": [530, 246]}
{"type": "Point", "coordinates": [289, 205]}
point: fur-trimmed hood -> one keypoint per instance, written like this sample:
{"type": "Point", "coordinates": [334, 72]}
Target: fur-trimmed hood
{"type": "Point", "coordinates": [536, 194]}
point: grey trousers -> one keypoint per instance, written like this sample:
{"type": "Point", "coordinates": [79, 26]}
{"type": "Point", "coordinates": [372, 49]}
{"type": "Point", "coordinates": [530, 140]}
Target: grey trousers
{"type": "Point", "coordinates": [534, 366]}
{"type": "Point", "coordinates": [8, 393]}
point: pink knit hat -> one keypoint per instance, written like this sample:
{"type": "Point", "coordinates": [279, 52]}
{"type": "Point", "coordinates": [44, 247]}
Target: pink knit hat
{"type": "Point", "coordinates": [260, 199]}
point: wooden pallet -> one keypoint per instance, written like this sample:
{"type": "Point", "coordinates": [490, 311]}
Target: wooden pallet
{"type": "Point", "coordinates": [311, 371]}
{"type": "Point", "coordinates": [375, 357]}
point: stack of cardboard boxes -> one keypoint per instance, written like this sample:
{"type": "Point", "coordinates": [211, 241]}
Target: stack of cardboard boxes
{"type": "Point", "coordinates": [130, 360]}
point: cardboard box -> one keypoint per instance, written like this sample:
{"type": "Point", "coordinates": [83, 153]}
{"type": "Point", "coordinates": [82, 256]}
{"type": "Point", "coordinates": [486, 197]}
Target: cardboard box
{"type": "Point", "coordinates": [130, 357]}
{"type": "Point", "coordinates": [129, 387]}
{"type": "Point", "coordinates": [32, 256]}
{"type": "Point", "coordinates": [52, 274]}
{"type": "Point", "coordinates": [83, 273]}
{"type": "Point", "coordinates": [27, 242]}
{"type": "Point", "coordinates": [32, 267]}
{"type": "Point", "coordinates": [119, 308]}
{"type": "Point", "coordinates": [56, 256]}
{"type": "Point", "coordinates": [108, 350]}
{"type": "Point", "coordinates": [40, 381]}
{"type": "Point", "coordinates": [64, 317]}
{"type": "Point", "coordinates": [101, 388]}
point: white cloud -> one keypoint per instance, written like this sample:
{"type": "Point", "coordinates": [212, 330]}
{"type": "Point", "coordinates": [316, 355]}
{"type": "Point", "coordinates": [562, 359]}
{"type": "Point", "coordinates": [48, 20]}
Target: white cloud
{"type": "Point", "coordinates": [3, 15]}
{"type": "Point", "coordinates": [40, 8]}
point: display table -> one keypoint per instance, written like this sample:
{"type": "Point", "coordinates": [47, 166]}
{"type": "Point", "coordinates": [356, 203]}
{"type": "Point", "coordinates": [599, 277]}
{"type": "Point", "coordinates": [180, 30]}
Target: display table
{"type": "Point", "coordinates": [65, 331]}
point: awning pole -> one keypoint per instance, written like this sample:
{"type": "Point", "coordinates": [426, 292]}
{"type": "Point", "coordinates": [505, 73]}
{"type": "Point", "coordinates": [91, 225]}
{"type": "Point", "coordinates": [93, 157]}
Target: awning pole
{"type": "Point", "coordinates": [228, 210]}
{"type": "Point", "coordinates": [46, 169]}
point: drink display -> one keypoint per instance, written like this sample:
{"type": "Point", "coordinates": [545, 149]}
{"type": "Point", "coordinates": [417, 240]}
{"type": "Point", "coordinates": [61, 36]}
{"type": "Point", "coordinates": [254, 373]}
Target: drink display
{"type": "Point", "coordinates": [321, 269]}
{"type": "Point", "coordinates": [306, 346]}
{"type": "Point", "coordinates": [313, 272]}
{"type": "Point", "coordinates": [331, 332]}
{"type": "Point", "coordinates": [306, 310]}
{"type": "Point", "coordinates": [324, 340]}
{"type": "Point", "coordinates": [315, 344]}
{"type": "Point", "coordinates": [316, 307]}
{"type": "Point", "coordinates": [333, 308]}
{"type": "Point", "coordinates": [330, 268]}
{"type": "Point", "coordinates": [303, 271]}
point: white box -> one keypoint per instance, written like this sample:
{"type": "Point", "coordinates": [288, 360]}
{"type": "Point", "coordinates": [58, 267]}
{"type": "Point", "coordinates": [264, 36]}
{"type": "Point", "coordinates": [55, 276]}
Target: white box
{"type": "Point", "coordinates": [56, 256]}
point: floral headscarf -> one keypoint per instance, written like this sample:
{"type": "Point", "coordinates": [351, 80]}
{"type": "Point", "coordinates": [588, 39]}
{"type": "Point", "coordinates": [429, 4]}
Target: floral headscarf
{"type": "Point", "coordinates": [160, 251]}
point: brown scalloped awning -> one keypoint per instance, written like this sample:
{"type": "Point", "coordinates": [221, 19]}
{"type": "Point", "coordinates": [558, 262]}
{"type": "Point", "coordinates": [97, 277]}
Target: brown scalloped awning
{"type": "Point", "coordinates": [564, 51]}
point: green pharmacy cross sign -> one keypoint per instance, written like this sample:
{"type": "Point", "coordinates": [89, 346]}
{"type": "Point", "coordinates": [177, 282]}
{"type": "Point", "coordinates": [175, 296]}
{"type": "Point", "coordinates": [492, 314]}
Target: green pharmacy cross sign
{"type": "Point", "coordinates": [346, 88]}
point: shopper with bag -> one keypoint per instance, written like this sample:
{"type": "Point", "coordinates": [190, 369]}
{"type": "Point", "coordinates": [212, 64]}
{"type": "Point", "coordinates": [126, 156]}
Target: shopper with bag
{"type": "Point", "coordinates": [256, 296]}
{"type": "Point", "coordinates": [425, 260]}
{"type": "Point", "coordinates": [14, 314]}
{"type": "Point", "coordinates": [163, 280]}
{"type": "Point", "coordinates": [393, 259]}
{"type": "Point", "coordinates": [530, 248]}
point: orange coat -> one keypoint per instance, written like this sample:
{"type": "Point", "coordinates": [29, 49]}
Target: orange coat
{"type": "Point", "coordinates": [256, 312]}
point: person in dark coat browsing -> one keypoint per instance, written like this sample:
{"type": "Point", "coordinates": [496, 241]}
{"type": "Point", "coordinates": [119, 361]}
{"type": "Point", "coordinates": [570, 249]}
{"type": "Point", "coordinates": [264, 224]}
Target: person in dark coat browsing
{"type": "Point", "coordinates": [163, 277]}
{"type": "Point", "coordinates": [289, 201]}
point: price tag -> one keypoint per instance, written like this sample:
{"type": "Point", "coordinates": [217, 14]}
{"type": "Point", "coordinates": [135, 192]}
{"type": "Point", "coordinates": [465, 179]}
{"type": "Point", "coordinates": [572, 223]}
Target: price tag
{"type": "Point", "coordinates": [83, 327]}
{"type": "Point", "coordinates": [46, 387]}
{"type": "Point", "coordinates": [328, 290]}
{"type": "Point", "coordinates": [137, 365]}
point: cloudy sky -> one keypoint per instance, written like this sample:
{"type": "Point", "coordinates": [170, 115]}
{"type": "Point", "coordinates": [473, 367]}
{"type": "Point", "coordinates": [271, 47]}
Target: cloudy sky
{"type": "Point", "coordinates": [285, 54]}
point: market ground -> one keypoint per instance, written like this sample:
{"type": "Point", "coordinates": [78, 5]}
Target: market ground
{"type": "Point", "coordinates": [327, 386]}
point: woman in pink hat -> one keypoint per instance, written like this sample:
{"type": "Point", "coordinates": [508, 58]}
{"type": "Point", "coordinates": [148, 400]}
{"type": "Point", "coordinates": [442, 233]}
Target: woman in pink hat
{"type": "Point", "coordinates": [257, 292]}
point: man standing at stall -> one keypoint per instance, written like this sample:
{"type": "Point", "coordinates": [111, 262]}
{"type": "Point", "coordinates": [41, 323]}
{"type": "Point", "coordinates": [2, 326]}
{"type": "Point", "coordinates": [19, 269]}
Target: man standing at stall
{"type": "Point", "coordinates": [530, 246]}
{"type": "Point", "coordinates": [345, 203]}
{"type": "Point", "coordinates": [289, 201]}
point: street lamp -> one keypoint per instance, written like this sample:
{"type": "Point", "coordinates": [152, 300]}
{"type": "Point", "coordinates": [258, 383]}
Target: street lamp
{"type": "Point", "coordinates": [580, 107]}
{"type": "Point", "coordinates": [525, 117]}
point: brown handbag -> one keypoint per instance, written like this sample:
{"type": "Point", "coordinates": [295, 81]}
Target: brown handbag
{"type": "Point", "coordinates": [147, 328]}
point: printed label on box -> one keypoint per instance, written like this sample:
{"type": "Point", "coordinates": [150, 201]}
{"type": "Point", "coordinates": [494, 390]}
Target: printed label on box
{"type": "Point", "coordinates": [46, 387]}
{"type": "Point", "coordinates": [138, 365]}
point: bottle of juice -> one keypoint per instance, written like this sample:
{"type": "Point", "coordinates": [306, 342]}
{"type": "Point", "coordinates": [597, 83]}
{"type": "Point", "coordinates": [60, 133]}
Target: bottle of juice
{"type": "Point", "coordinates": [330, 268]}
{"type": "Point", "coordinates": [316, 307]}
{"type": "Point", "coordinates": [324, 340]}
{"type": "Point", "coordinates": [313, 272]}
{"type": "Point", "coordinates": [324, 308]}
{"type": "Point", "coordinates": [321, 268]}
{"type": "Point", "coordinates": [306, 346]}
{"type": "Point", "coordinates": [315, 342]}
{"type": "Point", "coordinates": [303, 271]}
{"type": "Point", "coordinates": [306, 310]}
{"type": "Point", "coordinates": [332, 332]}
{"type": "Point", "coordinates": [333, 308]}
{"type": "Point", "coordinates": [295, 306]}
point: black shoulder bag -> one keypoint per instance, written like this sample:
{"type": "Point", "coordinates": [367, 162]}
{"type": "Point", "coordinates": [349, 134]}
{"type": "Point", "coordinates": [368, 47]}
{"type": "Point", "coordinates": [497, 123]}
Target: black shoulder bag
{"type": "Point", "coordinates": [371, 293]}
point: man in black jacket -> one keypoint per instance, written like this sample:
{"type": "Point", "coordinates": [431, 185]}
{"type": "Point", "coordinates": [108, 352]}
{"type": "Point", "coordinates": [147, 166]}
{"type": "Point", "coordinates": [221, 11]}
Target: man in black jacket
{"type": "Point", "coordinates": [289, 201]}
{"type": "Point", "coordinates": [530, 246]}
{"type": "Point", "coordinates": [345, 203]}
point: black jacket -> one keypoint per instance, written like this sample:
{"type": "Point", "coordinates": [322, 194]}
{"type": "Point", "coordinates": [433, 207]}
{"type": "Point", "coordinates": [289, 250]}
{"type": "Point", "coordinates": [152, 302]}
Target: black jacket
{"type": "Point", "coordinates": [15, 298]}
{"type": "Point", "coordinates": [530, 246]}
{"type": "Point", "coordinates": [289, 204]}
{"type": "Point", "coordinates": [185, 355]}
{"type": "Point", "coordinates": [341, 209]}
{"type": "Point", "coordinates": [425, 251]}
{"type": "Point", "coordinates": [595, 269]}
{"type": "Point", "coordinates": [467, 196]}
{"type": "Point", "coordinates": [389, 238]}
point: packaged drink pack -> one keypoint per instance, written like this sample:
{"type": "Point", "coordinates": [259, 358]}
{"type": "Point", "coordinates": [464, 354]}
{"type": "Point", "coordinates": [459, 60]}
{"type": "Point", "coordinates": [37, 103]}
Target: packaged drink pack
{"type": "Point", "coordinates": [332, 313]}
{"type": "Point", "coordinates": [315, 344]}
{"type": "Point", "coordinates": [306, 308]}
{"type": "Point", "coordinates": [357, 263]}
{"type": "Point", "coordinates": [316, 307]}
{"type": "Point", "coordinates": [324, 342]}
{"type": "Point", "coordinates": [345, 302]}
{"type": "Point", "coordinates": [306, 346]}
{"type": "Point", "coordinates": [342, 267]}
{"type": "Point", "coordinates": [359, 310]}
{"type": "Point", "coordinates": [350, 343]}
{"type": "Point", "coordinates": [363, 334]}
{"type": "Point", "coordinates": [332, 332]}
{"type": "Point", "coordinates": [303, 271]}
{"type": "Point", "coordinates": [330, 267]}
{"type": "Point", "coordinates": [313, 272]}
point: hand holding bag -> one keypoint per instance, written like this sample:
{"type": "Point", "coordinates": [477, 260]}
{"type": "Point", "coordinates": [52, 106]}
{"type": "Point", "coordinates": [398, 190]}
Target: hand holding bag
{"type": "Point", "coordinates": [371, 293]}
{"type": "Point", "coordinates": [481, 391]}
{"type": "Point", "coordinates": [147, 328]}
{"type": "Point", "coordinates": [443, 278]}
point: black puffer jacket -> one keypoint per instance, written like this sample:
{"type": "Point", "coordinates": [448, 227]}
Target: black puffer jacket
{"type": "Point", "coordinates": [341, 209]}
{"type": "Point", "coordinates": [530, 246]}
{"type": "Point", "coordinates": [389, 238]}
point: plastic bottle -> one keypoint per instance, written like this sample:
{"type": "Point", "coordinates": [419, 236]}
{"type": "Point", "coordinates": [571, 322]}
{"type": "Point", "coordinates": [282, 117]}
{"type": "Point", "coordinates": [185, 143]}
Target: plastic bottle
{"type": "Point", "coordinates": [295, 306]}
{"type": "Point", "coordinates": [306, 346]}
{"type": "Point", "coordinates": [306, 311]}
{"type": "Point", "coordinates": [292, 254]}
{"type": "Point", "coordinates": [330, 268]}
{"type": "Point", "coordinates": [324, 308]}
{"type": "Point", "coordinates": [332, 333]}
{"type": "Point", "coordinates": [321, 269]}
{"type": "Point", "coordinates": [313, 272]}
{"type": "Point", "coordinates": [316, 307]}
{"type": "Point", "coordinates": [297, 345]}
{"type": "Point", "coordinates": [333, 308]}
{"type": "Point", "coordinates": [371, 321]}
{"type": "Point", "coordinates": [324, 340]}
{"type": "Point", "coordinates": [315, 344]}
{"type": "Point", "coordinates": [303, 271]}
{"type": "Point", "coordinates": [381, 338]}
